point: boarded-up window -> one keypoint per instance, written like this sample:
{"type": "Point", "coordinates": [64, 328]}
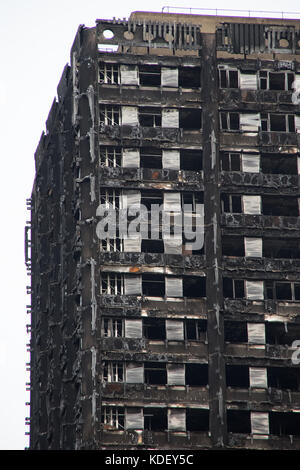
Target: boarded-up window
{"type": "Point", "coordinates": [256, 333]}
{"type": "Point", "coordinates": [171, 159]}
{"type": "Point", "coordinates": [170, 118]}
{"type": "Point", "coordinates": [169, 77]}
{"type": "Point", "coordinates": [134, 418]}
{"type": "Point", "coordinates": [259, 423]}
{"type": "Point", "coordinates": [248, 81]}
{"type": "Point", "coordinates": [176, 374]}
{"type": "Point", "coordinates": [130, 116]}
{"type": "Point", "coordinates": [174, 330]}
{"type": "Point", "coordinates": [129, 75]}
{"type": "Point", "coordinates": [258, 377]}
{"type": "Point", "coordinates": [254, 290]}
{"type": "Point", "coordinates": [133, 328]}
{"type": "Point", "coordinates": [250, 163]}
{"type": "Point", "coordinates": [174, 287]}
{"type": "Point", "coordinates": [172, 201]}
{"type": "Point", "coordinates": [253, 247]}
{"type": "Point", "coordinates": [249, 122]}
{"type": "Point", "coordinates": [134, 373]}
{"type": "Point", "coordinates": [251, 204]}
{"type": "Point", "coordinates": [131, 158]}
{"type": "Point", "coordinates": [132, 285]}
{"type": "Point", "coordinates": [176, 419]}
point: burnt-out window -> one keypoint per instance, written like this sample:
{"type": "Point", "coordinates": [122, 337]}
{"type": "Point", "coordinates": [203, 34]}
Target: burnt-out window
{"type": "Point", "coordinates": [155, 373]}
{"type": "Point", "coordinates": [235, 332]}
{"type": "Point", "coordinates": [237, 376]}
{"type": "Point", "coordinates": [110, 156]}
{"type": "Point", "coordinates": [189, 77]}
{"type": "Point", "coordinates": [152, 246]}
{"type": "Point", "coordinates": [113, 372]}
{"type": "Point", "coordinates": [112, 327]}
{"type": "Point", "coordinates": [233, 288]}
{"type": "Point", "coordinates": [154, 328]}
{"type": "Point", "coordinates": [197, 420]}
{"type": "Point", "coordinates": [155, 419]}
{"type": "Point", "coordinates": [281, 248]}
{"type": "Point", "coordinates": [238, 421]}
{"type": "Point", "coordinates": [284, 424]}
{"type": "Point", "coordinates": [196, 375]}
{"type": "Point", "coordinates": [282, 333]}
{"type": "Point", "coordinates": [195, 330]}
{"type": "Point", "coordinates": [279, 164]}
{"type": "Point", "coordinates": [229, 121]}
{"type": "Point", "coordinates": [228, 78]}
{"type": "Point", "coordinates": [109, 115]}
{"type": "Point", "coordinates": [150, 75]}
{"type": "Point", "coordinates": [190, 119]}
{"type": "Point", "coordinates": [275, 80]}
{"type": "Point", "coordinates": [111, 284]}
{"type": "Point", "coordinates": [194, 286]}
{"type": "Point", "coordinates": [112, 417]}
{"type": "Point", "coordinates": [150, 117]}
{"type": "Point", "coordinates": [153, 285]}
{"type": "Point", "coordinates": [192, 199]}
{"type": "Point", "coordinates": [231, 161]}
{"type": "Point", "coordinates": [231, 203]}
{"type": "Point", "coordinates": [191, 160]}
{"type": "Point", "coordinates": [278, 290]}
{"type": "Point", "coordinates": [109, 73]}
{"type": "Point", "coordinates": [149, 198]}
{"type": "Point", "coordinates": [233, 246]}
{"type": "Point", "coordinates": [280, 205]}
{"type": "Point", "coordinates": [150, 158]}
{"type": "Point", "coordinates": [277, 122]}
{"type": "Point", "coordinates": [284, 378]}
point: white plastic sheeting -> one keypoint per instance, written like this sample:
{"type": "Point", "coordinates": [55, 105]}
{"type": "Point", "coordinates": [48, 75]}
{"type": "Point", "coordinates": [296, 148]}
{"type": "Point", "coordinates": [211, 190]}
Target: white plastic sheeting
{"type": "Point", "coordinates": [258, 377]}
{"type": "Point", "coordinates": [170, 117]}
{"type": "Point", "coordinates": [251, 204]}
{"type": "Point", "coordinates": [132, 285]}
{"type": "Point", "coordinates": [250, 163]}
{"type": "Point", "coordinates": [174, 330]}
{"type": "Point", "coordinates": [256, 333]}
{"type": "Point", "coordinates": [176, 419]}
{"type": "Point", "coordinates": [173, 286]}
{"type": "Point", "coordinates": [259, 423]}
{"type": "Point", "coordinates": [169, 77]}
{"type": "Point", "coordinates": [133, 328]}
{"type": "Point", "coordinates": [130, 198]}
{"type": "Point", "coordinates": [134, 418]}
{"type": "Point", "coordinates": [171, 159]}
{"type": "Point", "coordinates": [254, 290]}
{"type": "Point", "coordinates": [249, 122]}
{"type": "Point", "coordinates": [134, 373]}
{"type": "Point", "coordinates": [248, 81]}
{"type": "Point", "coordinates": [129, 74]}
{"type": "Point", "coordinates": [132, 244]}
{"type": "Point", "coordinates": [172, 201]}
{"type": "Point", "coordinates": [297, 123]}
{"type": "Point", "coordinates": [173, 246]}
{"type": "Point", "coordinates": [253, 247]}
{"type": "Point", "coordinates": [176, 374]}
{"type": "Point", "coordinates": [131, 158]}
{"type": "Point", "coordinates": [130, 116]}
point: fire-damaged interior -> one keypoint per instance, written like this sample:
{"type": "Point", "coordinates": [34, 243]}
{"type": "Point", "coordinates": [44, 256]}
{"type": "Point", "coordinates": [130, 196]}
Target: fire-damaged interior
{"type": "Point", "coordinates": [159, 342]}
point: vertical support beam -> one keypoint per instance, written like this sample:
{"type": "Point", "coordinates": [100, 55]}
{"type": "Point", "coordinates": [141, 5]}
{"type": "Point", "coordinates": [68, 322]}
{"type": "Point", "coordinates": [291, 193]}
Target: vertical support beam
{"type": "Point", "coordinates": [215, 321]}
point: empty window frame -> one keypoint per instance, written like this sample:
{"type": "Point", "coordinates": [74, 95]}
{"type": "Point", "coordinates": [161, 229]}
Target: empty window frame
{"type": "Point", "coordinates": [191, 199]}
{"type": "Point", "coordinates": [279, 164]}
{"type": "Point", "coordinates": [238, 421]}
{"type": "Point", "coordinates": [155, 373]}
{"type": "Point", "coordinates": [150, 117]}
{"type": "Point", "coordinates": [152, 246]}
{"type": "Point", "coordinates": [110, 157]}
{"type": "Point", "coordinates": [195, 330]}
{"type": "Point", "coordinates": [111, 244]}
{"type": "Point", "coordinates": [110, 115]}
{"type": "Point", "coordinates": [278, 290]}
{"type": "Point", "coordinates": [151, 158]}
{"type": "Point", "coordinates": [275, 80]}
{"type": "Point", "coordinates": [111, 284]}
{"type": "Point", "coordinates": [197, 420]}
{"type": "Point", "coordinates": [277, 122]}
{"type": "Point", "coordinates": [196, 375]}
{"type": "Point", "coordinates": [112, 417]}
{"type": "Point", "coordinates": [284, 424]}
{"type": "Point", "coordinates": [231, 203]}
{"type": "Point", "coordinates": [191, 160]}
{"type": "Point", "coordinates": [231, 161]}
{"type": "Point", "coordinates": [113, 372]}
{"type": "Point", "coordinates": [155, 419]}
{"type": "Point", "coordinates": [284, 378]}
{"type": "Point", "coordinates": [189, 77]}
{"type": "Point", "coordinates": [233, 288]}
{"type": "Point", "coordinates": [194, 286]}
{"type": "Point", "coordinates": [286, 206]}
{"type": "Point", "coordinates": [154, 329]}
{"type": "Point", "coordinates": [190, 119]}
{"type": "Point", "coordinates": [112, 328]}
{"type": "Point", "coordinates": [235, 332]}
{"type": "Point", "coordinates": [149, 198]}
{"type": "Point", "coordinates": [228, 78]}
{"type": "Point", "coordinates": [233, 246]}
{"type": "Point", "coordinates": [153, 285]}
{"type": "Point", "coordinates": [282, 333]}
{"type": "Point", "coordinates": [110, 197]}
{"type": "Point", "coordinates": [281, 248]}
{"type": "Point", "coordinates": [150, 75]}
{"type": "Point", "coordinates": [109, 73]}
{"type": "Point", "coordinates": [237, 376]}
{"type": "Point", "coordinates": [229, 121]}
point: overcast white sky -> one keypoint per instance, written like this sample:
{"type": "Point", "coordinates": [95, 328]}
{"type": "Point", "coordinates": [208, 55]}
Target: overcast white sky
{"type": "Point", "coordinates": [35, 38]}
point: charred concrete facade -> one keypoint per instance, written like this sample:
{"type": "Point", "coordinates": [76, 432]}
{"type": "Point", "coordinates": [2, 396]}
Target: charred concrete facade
{"type": "Point", "coordinates": [146, 345]}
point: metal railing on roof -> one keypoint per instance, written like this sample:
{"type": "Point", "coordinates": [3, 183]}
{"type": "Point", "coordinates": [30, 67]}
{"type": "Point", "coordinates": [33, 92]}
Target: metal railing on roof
{"type": "Point", "coordinates": [227, 12]}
